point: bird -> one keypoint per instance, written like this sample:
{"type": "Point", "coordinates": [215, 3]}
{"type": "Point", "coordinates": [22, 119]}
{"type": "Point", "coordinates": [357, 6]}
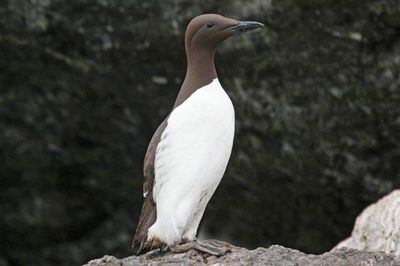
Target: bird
{"type": "Point", "coordinates": [189, 152]}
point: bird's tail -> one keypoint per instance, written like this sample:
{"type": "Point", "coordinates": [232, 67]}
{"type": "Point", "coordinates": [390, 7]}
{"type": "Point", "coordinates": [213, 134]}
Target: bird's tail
{"type": "Point", "coordinates": [147, 218]}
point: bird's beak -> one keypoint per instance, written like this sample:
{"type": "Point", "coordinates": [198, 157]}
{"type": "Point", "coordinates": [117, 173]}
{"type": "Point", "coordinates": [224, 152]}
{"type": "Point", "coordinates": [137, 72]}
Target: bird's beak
{"type": "Point", "coordinates": [243, 26]}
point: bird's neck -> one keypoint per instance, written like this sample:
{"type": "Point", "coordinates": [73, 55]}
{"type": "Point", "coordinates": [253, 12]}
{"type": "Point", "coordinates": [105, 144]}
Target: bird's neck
{"type": "Point", "coordinates": [200, 72]}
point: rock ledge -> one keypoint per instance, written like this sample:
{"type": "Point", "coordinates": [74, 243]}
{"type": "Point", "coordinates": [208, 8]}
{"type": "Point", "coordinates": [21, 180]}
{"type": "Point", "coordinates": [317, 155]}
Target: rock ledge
{"type": "Point", "coordinates": [273, 256]}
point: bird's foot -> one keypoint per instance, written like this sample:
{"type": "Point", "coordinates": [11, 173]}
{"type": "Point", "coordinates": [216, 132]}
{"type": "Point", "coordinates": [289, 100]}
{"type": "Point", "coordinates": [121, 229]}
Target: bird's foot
{"type": "Point", "coordinates": [155, 248]}
{"type": "Point", "coordinates": [212, 246]}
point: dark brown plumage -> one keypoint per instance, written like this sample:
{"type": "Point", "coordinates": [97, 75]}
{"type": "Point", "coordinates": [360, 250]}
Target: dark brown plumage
{"type": "Point", "coordinates": [148, 214]}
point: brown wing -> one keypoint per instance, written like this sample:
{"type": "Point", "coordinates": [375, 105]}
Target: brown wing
{"type": "Point", "coordinates": [148, 167]}
{"type": "Point", "coordinates": [148, 214]}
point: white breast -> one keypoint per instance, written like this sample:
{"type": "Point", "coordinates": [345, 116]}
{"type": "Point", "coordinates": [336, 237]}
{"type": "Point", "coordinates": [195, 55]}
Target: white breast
{"type": "Point", "coordinates": [190, 161]}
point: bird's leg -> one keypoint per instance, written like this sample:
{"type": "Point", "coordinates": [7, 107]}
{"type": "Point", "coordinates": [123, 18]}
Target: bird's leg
{"type": "Point", "coordinates": [211, 246]}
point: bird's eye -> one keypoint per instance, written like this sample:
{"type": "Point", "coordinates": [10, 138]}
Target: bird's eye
{"type": "Point", "coordinates": [210, 25]}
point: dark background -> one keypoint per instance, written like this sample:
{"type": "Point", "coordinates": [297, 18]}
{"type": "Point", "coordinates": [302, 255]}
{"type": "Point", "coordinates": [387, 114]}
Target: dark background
{"type": "Point", "coordinates": [84, 84]}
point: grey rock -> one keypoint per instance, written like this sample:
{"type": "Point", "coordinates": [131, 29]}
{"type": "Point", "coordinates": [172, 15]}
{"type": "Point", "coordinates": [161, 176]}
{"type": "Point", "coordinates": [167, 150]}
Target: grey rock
{"type": "Point", "coordinates": [377, 228]}
{"type": "Point", "coordinates": [273, 256]}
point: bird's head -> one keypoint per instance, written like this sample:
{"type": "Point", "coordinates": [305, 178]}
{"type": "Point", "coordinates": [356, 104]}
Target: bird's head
{"type": "Point", "coordinates": [206, 31]}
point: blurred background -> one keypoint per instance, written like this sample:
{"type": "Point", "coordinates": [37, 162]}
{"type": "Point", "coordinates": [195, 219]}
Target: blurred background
{"type": "Point", "coordinates": [85, 83]}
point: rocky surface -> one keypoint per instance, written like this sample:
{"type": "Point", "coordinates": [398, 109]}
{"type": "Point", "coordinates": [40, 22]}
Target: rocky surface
{"type": "Point", "coordinates": [273, 256]}
{"type": "Point", "coordinates": [377, 228]}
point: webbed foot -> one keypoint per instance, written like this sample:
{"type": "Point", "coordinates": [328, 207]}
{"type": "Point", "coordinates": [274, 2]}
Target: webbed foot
{"type": "Point", "coordinates": [212, 246]}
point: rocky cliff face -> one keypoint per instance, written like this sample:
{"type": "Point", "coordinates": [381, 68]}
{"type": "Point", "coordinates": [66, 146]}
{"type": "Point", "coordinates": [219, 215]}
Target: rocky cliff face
{"type": "Point", "coordinates": [272, 256]}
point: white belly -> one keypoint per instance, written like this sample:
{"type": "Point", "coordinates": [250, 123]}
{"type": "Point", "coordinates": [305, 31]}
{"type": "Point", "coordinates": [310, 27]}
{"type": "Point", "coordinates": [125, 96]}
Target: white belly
{"type": "Point", "coordinates": [191, 159]}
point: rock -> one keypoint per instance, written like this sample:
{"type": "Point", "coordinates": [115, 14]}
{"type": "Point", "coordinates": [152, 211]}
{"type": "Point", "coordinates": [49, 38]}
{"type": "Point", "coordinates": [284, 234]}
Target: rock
{"type": "Point", "coordinates": [377, 228]}
{"type": "Point", "coordinates": [273, 256]}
